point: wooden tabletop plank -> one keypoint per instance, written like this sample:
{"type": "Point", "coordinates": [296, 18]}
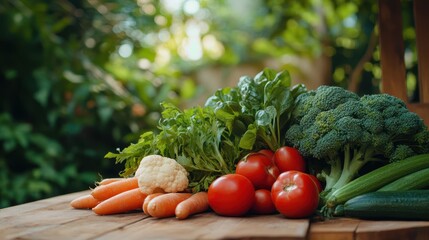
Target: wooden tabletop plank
{"type": "Point", "coordinates": [384, 230]}
{"type": "Point", "coordinates": [212, 226]}
{"type": "Point", "coordinates": [88, 227]}
{"type": "Point", "coordinates": [24, 208]}
{"type": "Point", "coordinates": [336, 228]}
{"type": "Point", "coordinates": [54, 218]}
{"type": "Point", "coordinates": [34, 219]}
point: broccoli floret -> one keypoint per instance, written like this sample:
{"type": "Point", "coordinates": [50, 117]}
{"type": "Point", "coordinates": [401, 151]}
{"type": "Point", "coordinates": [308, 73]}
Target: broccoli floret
{"type": "Point", "coordinates": [347, 131]}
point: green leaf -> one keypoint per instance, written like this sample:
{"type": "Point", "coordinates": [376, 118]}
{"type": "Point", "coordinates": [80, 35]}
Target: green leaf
{"type": "Point", "coordinates": [265, 117]}
{"type": "Point", "coordinates": [111, 155]}
{"type": "Point", "coordinates": [249, 138]}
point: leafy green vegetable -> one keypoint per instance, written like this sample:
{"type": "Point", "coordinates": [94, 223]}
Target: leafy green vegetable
{"type": "Point", "coordinates": [194, 138]}
{"type": "Point", "coordinates": [262, 103]}
{"type": "Point", "coordinates": [208, 141]}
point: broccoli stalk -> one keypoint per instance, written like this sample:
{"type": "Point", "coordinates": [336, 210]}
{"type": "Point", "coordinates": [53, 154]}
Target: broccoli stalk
{"type": "Point", "coordinates": [345, 169]}
{"type": "Point", "coordinates": [331, 176]}
{"type": "Point", "coordinates": [344, 132]}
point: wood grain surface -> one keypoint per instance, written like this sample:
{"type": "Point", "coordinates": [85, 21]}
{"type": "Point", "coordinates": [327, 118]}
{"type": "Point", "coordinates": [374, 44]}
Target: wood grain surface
{"type": "Point", "coordinates": [53, 218]}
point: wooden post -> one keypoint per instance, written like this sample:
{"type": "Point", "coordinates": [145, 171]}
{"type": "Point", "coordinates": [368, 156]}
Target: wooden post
{"type": "Point", "coordinates": [421, 18]}
{"type": "Point", "coordinates": [392, 48]}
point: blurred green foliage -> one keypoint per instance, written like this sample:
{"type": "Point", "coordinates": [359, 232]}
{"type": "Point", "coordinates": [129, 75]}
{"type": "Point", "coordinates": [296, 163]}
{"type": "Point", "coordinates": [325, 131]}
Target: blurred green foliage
{"type": "Point", "coordinates": [80, 78]}
{"type": "Point", "coordinates": [61, 108]}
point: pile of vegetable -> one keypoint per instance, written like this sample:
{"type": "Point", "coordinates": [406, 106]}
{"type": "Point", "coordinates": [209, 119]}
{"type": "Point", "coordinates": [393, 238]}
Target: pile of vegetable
{"type": "Point", "coordinates": [346, 131]}
{"type": "Point", "coordinates": [157, 189]}
{"type": "Point", "coordinates": [209, 141]}
{"type": "Point", "coordinates": [342, 133]}
{"type": "Point", "coordinates": [267, 147]}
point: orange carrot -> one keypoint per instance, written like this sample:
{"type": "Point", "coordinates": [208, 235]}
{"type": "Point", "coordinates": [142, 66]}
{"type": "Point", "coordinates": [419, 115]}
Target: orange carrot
{"type": "Point", "coordinates": [84, 202]}
{"type": "Point", "coordinates": [121, 203]}
{"type": "Point", "coordinates": [108, 180]}
{"type": "Point", "coordinates": [165, 205]}
{"type": "Point", "coordinates": [148, 199]}
{"type": "Point", "coordinates": [197, 203]}
{"type": "Point", "coordinates": [104, 192]}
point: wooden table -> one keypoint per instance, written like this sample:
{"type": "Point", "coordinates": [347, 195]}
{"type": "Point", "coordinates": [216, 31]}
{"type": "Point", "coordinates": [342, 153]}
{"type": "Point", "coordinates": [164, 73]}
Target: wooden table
{"type": "Point", "coordinates": [53, 218]}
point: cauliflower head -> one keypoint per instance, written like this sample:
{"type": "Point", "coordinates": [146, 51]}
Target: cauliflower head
{"type": "Point", "coordinates": [161, 174]}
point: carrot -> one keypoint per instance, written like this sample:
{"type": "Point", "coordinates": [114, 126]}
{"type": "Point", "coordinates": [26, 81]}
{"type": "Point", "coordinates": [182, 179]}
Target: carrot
{"type": "Point", "coordinates": [165, 205]}
{"type": "Point", "coordinates": [148, 199]}
{"type": "Point", "coordinates": [84, 202]}
{"type": "Point", "coordinates": [121, 203]}
{"type": "Point", "coordinates": [108, 180]}
{"type": "Point", "coordinates": [104, 192]}
{"type": "Point", "coordinates": [197, 203]}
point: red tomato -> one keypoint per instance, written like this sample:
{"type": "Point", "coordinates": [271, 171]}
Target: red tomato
{"type": "Point", "coordinates": [259, 169]}
{"type": "Point", "coordinates": [231, 195]}
{"type": "Point", "coordinates": [288, 158]}
{"type": "Point", "coordinates": [295, 195]}
{"type": "Point", "coordinates": [317, 182]}
{"type": "Point", "coordinates": [263, 203]}
{"type": "Point", "coordinates": [267, 152]}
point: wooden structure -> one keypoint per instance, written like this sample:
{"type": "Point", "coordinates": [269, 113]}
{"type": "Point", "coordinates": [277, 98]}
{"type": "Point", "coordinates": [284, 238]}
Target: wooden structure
{"type": "Point", "coordinates": [53, 218]}
{"type": "Point", "coordinates": [392, 53]}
